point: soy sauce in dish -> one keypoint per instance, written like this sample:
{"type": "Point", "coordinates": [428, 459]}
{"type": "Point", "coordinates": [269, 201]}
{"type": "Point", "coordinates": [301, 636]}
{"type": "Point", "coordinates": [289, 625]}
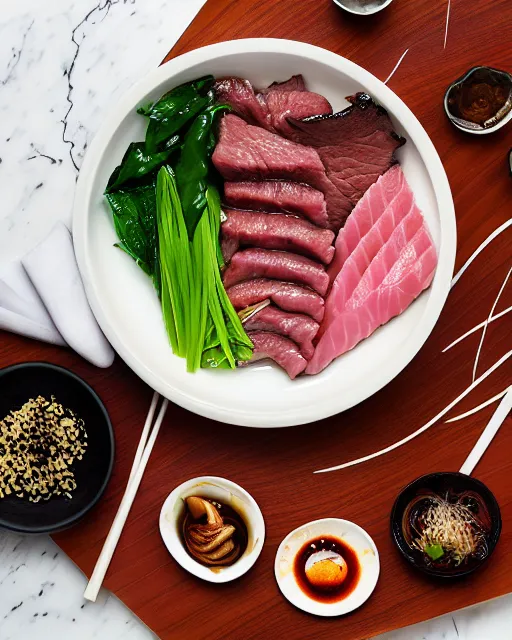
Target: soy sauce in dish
{"type": "Point", "coordinates": [327, 569]}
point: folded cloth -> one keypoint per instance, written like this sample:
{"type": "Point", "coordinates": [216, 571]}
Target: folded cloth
{"type": "Point", "coordinates": [53, 271]}
{"type": "Point", "coordinates": [21, 309]}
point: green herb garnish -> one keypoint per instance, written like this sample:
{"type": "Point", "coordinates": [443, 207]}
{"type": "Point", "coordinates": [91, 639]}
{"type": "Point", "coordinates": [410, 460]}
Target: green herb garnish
{"type": "Point", "coordinates": [434, 551]}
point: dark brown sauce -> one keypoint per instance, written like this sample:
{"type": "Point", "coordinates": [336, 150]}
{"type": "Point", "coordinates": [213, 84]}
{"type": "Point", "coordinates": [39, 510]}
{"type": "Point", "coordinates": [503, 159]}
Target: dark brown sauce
{"type": "Point", "coordinates": [478, 101]}
{"type": "Point", "coordinates": [327, 543]}
{"type": "Point", "coordinates": [230, 517]}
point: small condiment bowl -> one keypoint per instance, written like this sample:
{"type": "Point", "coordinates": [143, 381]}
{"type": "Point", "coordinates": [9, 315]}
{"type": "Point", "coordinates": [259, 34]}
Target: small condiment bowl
{"type": "Point", "coordinates": [351, 7]}
{"type": "Point", "coordinates": [226, 492]}
{"type": "Point", "coordinates": [482, 73]}
{"type": "Point", "coordinates": [19, 383]}
{"type": "Point", "coordinates": [440, 483]}
{"type": "Point", "coordinates": [350, 533]}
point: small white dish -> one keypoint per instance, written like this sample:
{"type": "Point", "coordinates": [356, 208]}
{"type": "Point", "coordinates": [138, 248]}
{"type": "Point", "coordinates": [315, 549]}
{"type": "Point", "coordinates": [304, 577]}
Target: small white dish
{"type": "Point", "coordinates": [228, 493]}
{"type": "Point", "coordinates": [351, 7]}
{"type": "Point", "coordinates": [355, 537]}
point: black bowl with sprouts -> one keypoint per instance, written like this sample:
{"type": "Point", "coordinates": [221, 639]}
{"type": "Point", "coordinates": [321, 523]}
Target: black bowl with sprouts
{"type": "Point", "coordinates": [446, 524]}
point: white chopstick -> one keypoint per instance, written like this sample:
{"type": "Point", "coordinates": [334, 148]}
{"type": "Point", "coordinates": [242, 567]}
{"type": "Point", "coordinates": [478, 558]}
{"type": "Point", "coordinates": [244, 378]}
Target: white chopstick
{"type": "Point", "coordinates": [140, 461]}
{"type": "Point", "coordinates": [488, 434]}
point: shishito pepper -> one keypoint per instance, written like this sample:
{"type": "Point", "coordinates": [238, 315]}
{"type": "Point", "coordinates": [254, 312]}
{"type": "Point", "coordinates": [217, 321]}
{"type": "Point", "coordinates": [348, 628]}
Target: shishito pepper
{"type": "Point", "coordinates": [169, 114]}
{"type": "Point", "coordinates": [193, 166]}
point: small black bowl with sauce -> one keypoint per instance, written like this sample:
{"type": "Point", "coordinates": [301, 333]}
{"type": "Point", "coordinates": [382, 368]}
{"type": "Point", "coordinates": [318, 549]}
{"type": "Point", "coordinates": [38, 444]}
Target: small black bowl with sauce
{"type": "Point", "coordinates": [480, 101]}
{"type": "Point", "coordinates": [449, 485]}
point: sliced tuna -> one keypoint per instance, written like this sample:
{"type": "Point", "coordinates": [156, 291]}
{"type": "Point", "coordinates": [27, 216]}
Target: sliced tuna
{"type": "Point", "coordinates": [246, 152]}
{"type": "Point", "coordinates": [287, 296]}
{"type": "Point", "coordinates": [349, 278]}
{"type": "Point", "coordinates": [278, 265]}
{"type": "Point", "coordinates": [299, 328]}
{"type": "Point", "coordinates": [295, 83]}
{"type": "Point", "coordinates": [356, 146]}
{"type": "Point", "coordinates": [390, 186]}
{"type": "Point", "coordinates": [271, 107]}
{"type": "Point", "coordinates": [279, 349]}
{"type": "Point", "coordinates": [275, 231]}
{"type": "Point", "coordinates": [397, 275]}
{"type": "Point", "coordinates": [293, 104]}
{"type": "Point", "coordinates": [239, 94]}
{"type": "Point", "coordinates": [278, 195]}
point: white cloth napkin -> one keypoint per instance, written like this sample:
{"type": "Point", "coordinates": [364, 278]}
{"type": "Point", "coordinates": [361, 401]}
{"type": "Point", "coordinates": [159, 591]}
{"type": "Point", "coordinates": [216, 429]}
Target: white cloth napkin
{"type": "Point", "coordinates": [21, 309]}
{"type": "Point", "coordinates": [43, 297]}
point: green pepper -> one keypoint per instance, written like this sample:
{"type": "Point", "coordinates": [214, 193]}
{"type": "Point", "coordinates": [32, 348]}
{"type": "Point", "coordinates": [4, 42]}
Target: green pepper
{"type": "Point", "coordinates": [138, 163]}
{"type": "Point", "coordinates": [434, 551]}
{"type": "Point", "coordinates": [177, 107]}
{"type": "Point", "coordinates": [193, 166]}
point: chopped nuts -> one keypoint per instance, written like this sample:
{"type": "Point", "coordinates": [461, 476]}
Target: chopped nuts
{"type": "Point", "coordinates": [38, 445]}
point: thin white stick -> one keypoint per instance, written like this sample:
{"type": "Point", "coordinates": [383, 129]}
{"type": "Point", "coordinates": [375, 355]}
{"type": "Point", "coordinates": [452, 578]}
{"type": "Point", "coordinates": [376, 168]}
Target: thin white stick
{"type": "Point", "coordinates": [425, 427]}
{"type": "Point", "coordinates": [480, 406]}
{"type": "Point", "coordinates": [488, 434]}
{"type": "Point", "coordinates": [103, 562]}
{"type": "Point", "coordinates": [396, 66]}
{"type": "Point", "coordinates": [475, 328]}
{"type": "Point", "coordinates": [144, 437]}
{"type": "Point", "coordinates": [447, 21]}
{"type": "Point", "coordinates": [477, 357]}
{"type": "Point", "coordinates": [479, 250]}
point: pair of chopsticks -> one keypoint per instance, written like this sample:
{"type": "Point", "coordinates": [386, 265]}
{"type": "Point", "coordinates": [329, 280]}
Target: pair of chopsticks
{"type": "Point", "coordinates": [488, 433]}
{"type": "Point", "coordinates": [146, 443]}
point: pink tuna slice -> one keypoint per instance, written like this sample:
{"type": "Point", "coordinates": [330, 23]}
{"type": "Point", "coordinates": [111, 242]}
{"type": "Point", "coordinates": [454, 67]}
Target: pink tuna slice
{"type": "Point", "coordinates": [278, 195]}
{"type": "Point", "coordinates": [395, 278]}
{"type": "Point", "coordinates": [401, 221]}
{"type": "Point", "coordinates": [299, 328]}
{"type": "Point", "coordinates": [287, 296]}
{"type": "Point", "coordinates": [366, 213]}
{"type": "Point", "coordinates": [278, 348]}
{"type": "Point", "coordinates": [278, 265]}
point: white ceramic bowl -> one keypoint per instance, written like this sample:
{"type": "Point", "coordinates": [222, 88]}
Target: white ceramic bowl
{"type": "Point", "coordinates": [127, 308]}
{"type": "Point", "coordinates": [355, 537]}
{"type": "Point", "coordinates": [228, 493]}
{"type": "Point", "coordinates": [362, 11]}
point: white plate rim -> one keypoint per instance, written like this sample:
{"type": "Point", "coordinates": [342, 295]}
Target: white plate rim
{"type": "Point", "coordinates": [447, 250]}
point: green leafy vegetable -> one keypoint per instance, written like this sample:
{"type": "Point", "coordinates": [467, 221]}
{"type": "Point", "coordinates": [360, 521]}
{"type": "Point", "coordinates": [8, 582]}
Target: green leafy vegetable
{"type": "Point", "coordinates": [201, 323]}
{"type": "Point", "coordinates": [435, 551]}
{"type": "Point", "coordinates": [177, 107]}
{"type": "Point", "coordinates": [138, 163]}
{"type": "Point", "coordinates": [133, 211]}
{"type": "Point", "coordinates": [193, 166]}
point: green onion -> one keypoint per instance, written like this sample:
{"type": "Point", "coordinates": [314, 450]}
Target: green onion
{"type": "Point", "coordinates": [200, 320]}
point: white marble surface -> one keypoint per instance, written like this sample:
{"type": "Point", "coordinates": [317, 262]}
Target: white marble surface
{"type": "Point", "coordinates": [62, 63]}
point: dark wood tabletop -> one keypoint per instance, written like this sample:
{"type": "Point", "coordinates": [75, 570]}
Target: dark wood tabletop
{"type": "Point", "coordinates": [276, 466]}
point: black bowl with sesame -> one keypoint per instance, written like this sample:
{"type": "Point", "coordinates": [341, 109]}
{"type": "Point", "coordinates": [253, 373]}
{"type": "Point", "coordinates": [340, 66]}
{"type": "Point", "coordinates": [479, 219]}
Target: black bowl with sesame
{"type": "Point", "coordinates": [56, 448]}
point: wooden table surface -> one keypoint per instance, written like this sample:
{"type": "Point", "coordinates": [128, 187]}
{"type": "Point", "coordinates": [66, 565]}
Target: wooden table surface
{"type": "Point", "coordinates": [276, 465]}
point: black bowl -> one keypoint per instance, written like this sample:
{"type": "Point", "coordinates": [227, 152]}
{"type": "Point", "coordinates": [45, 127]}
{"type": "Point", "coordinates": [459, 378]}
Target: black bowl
{"type": "Point", "coordinates": [441, 483]}
{"type": "Point", "coordinates": [18, 384]}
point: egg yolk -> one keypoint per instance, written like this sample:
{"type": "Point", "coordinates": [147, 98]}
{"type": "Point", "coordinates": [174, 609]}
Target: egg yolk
{"type": "Point", "coordinates": [328, 573]}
